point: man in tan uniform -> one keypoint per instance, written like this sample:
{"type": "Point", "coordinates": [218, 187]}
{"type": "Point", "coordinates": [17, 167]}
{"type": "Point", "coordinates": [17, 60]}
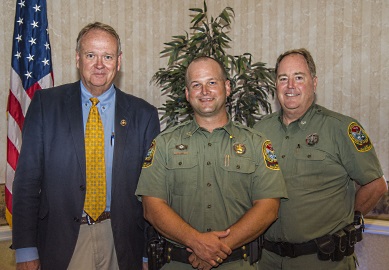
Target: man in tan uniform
{"type": "Point", "coordinates": [321, 154]}
{"type": "Point", "coordinates": [210, 185]}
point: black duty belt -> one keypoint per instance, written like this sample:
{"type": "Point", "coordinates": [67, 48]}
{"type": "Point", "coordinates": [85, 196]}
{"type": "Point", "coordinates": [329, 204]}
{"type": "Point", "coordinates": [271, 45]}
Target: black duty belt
{"type": "Point", "coordinates": [179, 254]}
{"type": "Point", "coordinates": [88, 220]}
{"type": "Point", "coordinates": [334, 247]}
{"type": "Point", "coordinates": [285, 249]}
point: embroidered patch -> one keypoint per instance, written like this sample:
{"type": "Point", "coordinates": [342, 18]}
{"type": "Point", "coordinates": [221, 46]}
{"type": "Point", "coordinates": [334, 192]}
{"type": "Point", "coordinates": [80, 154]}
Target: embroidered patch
{"type": "Point", "coordinates": [359, 137]}
{"type": "Point", "coordinates": [269, 156]}
{"type": "Point", "coordinates": [150, 155]}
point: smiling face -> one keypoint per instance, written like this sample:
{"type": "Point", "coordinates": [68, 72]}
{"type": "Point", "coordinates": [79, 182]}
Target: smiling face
{"type": "Point", "coordinates": [98, 60]}
{"type": "Point", "coordinates": [207, 90]}
{"type": "Point", "coordinates": [295, 86]}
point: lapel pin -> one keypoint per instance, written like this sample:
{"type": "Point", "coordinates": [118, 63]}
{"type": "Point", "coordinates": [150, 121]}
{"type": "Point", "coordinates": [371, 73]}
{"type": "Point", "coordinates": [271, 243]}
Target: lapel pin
{"type": "Point", "coordinates": [123, 122]}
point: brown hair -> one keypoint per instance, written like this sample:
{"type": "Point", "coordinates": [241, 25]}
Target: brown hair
{"type": "Point", "coordinates": [99, 26]}
{"type": "Point", "coordinates": [307, 56]}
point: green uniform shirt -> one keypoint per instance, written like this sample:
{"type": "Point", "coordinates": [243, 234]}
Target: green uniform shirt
{"type": "Point", "coordinates": [211, 179]}
{"type": "Point", "coordinates": [320, 156]}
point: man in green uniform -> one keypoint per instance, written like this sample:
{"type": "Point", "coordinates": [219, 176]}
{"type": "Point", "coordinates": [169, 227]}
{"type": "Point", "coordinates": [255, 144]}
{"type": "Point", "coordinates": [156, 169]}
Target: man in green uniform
{"type": "Point", "coordinates": [322, 154]}
{"type": "Point", "coordinates": [210, 186]}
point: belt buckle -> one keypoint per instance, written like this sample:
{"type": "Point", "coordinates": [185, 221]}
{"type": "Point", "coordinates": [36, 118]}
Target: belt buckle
{"type": "Point", "coordinates": [89, 220]}
{"type": "Point", "coordinates": [286, 249]}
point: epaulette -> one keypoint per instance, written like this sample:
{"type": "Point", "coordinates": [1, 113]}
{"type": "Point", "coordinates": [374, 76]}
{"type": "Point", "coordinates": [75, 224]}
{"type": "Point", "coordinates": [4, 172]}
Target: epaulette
{"type": "Point", "coordinates": [171, 129]}
{"type": "Point", "coordinates": [242, 126]}
{"type": "Point", "coordinates": [268, 116]}
{"type": "Point", "coordinates": [338, 116]}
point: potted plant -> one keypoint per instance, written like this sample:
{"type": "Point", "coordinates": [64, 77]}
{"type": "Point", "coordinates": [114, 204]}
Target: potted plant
{"type": "Point", "coordinates": [251, 83]}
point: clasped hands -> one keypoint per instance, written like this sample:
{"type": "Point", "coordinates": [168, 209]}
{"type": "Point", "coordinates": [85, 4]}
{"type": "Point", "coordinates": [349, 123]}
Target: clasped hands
{"type": "Point", "coordinates": [209, 250]}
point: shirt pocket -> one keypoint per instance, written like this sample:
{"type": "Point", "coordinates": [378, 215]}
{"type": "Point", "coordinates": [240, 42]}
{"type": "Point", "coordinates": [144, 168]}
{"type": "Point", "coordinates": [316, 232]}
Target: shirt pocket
{"type": "Point", "coordinates": [310, 168]}
{"type": "Point", "coordinates": [183, 170]}
{"type": "Point", "coordinates": [237, 176]}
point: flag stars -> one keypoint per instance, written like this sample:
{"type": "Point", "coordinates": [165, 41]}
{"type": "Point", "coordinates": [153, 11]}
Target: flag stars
{"type": "Point", "coordinates": [21, 3]}
{"type": "Point", "coordinates": [19, 38]}
{"type": "Point", "coordinates": [20, 21]}
{"type": "Point", "coordinates": [47, 46]}
{"type": "Point", "coordinates": [45, 62]}
{"type": "Point", "coordinates": [18, 55]}
{"type": "Point", "coordinates": [30, 57]}
{"type": "Point", "coordinates": [34, 24]}
{"type": "Point", "coordinates": [32, 41]}
{"type": "Point", "coordinates": [37, 8]}
{"type": "Point", "coordinates": [28, 74]}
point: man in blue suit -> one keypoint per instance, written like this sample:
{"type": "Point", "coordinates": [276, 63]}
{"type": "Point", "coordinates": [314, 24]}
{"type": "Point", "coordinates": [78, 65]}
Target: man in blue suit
{"type": "Point", "coordinates": [51, 230]}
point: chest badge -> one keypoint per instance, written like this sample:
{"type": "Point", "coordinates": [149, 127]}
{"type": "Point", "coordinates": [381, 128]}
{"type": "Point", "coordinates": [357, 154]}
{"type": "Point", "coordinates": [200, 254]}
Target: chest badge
{"type": "Point", "coordinates": [312, 139]}
{"type": "Point", "coordinates": [239, 148]}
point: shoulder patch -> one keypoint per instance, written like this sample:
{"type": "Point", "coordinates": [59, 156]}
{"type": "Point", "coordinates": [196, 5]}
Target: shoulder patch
{"type": "Point", "coordinates": [269, 156]}
{"type": "Point", "coordinates": [150, 155]}
{"type": "Point", "coordinates": [359, 137]}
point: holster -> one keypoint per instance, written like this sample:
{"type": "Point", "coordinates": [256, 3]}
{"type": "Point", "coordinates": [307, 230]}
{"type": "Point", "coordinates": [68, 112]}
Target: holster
{"type": "Point", "coordinates": [325, 247]}
{"type": "Point", "coordinates": [340, 241]}
{"type": "Point", "coordinates": [255, 248]}
{"type": "Point", "coordinates": [156, 246]}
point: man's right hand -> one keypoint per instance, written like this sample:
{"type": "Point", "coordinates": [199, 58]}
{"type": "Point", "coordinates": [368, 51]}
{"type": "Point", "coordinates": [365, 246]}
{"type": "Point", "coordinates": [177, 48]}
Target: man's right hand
{"type": "Point", "coordinates": [209, 248]}
{"type": "Point", "coordinates": [31, 265]}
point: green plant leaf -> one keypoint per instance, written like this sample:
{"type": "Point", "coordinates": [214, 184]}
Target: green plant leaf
{"type": "Point", "coordinates": [251, 82]}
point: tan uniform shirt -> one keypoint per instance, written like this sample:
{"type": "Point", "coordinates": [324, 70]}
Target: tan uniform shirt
{"type": "Point", "coordinates": [211, 179]}
{"type": "Point", "coordinates": [320, 156]}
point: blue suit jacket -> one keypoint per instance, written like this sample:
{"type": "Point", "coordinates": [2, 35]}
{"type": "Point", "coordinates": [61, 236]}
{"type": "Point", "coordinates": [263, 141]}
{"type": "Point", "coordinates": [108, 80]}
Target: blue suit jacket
{"type": "Point", "coordinates": [49, 184]}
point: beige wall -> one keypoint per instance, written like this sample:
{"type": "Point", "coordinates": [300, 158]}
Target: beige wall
{"type": "Point", "coordinates": [348, 39]}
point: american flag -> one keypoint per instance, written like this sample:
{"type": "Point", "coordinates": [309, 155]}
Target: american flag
{"type": "Point", "coordinates": [31, 70]}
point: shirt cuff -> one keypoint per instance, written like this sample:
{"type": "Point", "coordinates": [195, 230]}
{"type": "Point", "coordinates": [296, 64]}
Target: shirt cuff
{"type": "Point", "coordinates": [26, 254]}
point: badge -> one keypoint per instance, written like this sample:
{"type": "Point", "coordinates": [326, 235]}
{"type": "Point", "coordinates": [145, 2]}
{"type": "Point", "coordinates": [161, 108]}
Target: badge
{"type": "Point", "coordinates": [359, 138]}
{"type": "Point", "coordinates": [150, 155]}
{"type": "Point", "coordinates": [269, 156]}
{"type": "Point", "coordinates": [312, 139]}
{"type": "Point", "coordinates": [239, 148]}
{"type": "Point", "coordinates": [181, 147]}
{"type": "Point", "coordinates": [123, 122]}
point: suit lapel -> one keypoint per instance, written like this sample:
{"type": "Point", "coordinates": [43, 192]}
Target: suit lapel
{"type": "Point", "coordinates": [122, 126]}
{"type": "Point", "coordinates": [74, 112]}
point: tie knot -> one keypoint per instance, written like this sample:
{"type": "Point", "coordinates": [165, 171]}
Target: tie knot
{"type": "Point", "coordinates": [94, 101]}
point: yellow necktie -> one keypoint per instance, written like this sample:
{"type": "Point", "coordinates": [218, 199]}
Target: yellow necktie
{"type": "Point", "coordinates": [95, 163]}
